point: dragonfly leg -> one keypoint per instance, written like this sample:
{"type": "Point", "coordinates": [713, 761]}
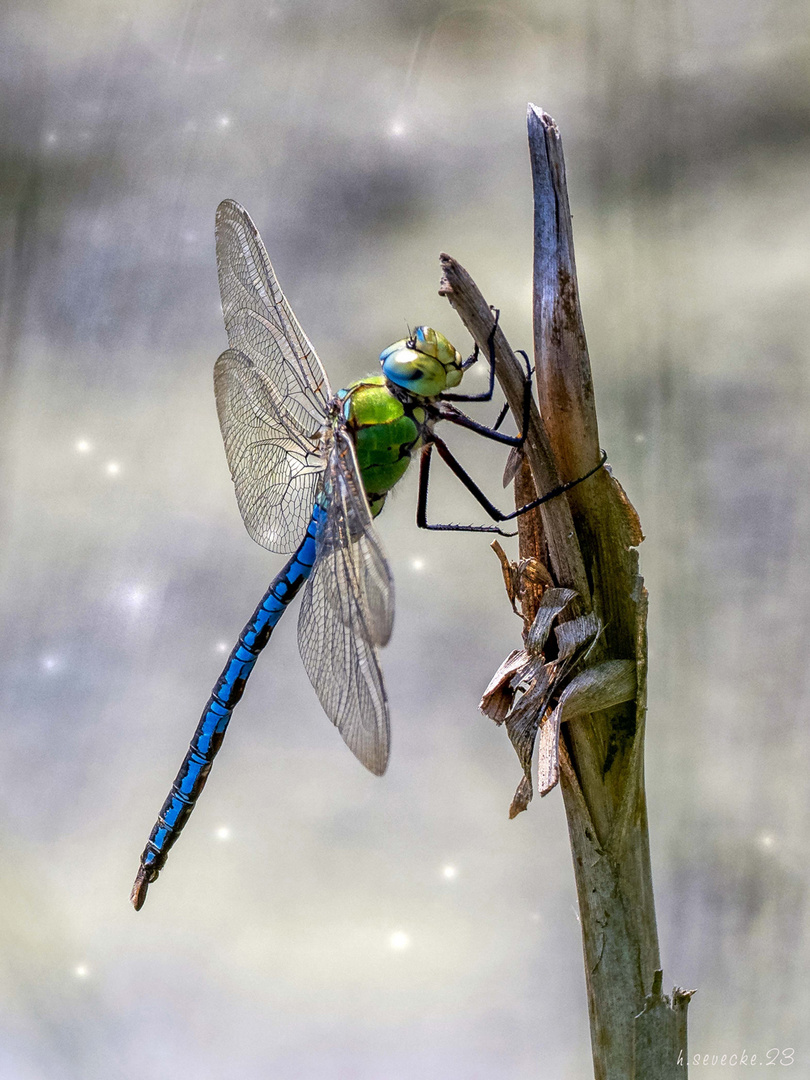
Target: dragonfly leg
{"type": "Point", "coordinates": [487, 394]}
{"type": "Point", "coordinates": [455, 416]}
{"type": "Point", "coordinates": [469, 483]}
{"type": "Point", "coordinates": [461, 473]}
{"type": "Point", "coordinates": [502, 416]}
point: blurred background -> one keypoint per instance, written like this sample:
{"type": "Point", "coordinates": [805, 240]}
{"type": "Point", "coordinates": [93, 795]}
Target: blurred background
{"type": "Point", "coordinates": [316, 923]}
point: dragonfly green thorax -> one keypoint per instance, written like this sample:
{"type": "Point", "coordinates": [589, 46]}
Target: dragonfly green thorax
{"type": "Point", "coordinates": [385, 431]}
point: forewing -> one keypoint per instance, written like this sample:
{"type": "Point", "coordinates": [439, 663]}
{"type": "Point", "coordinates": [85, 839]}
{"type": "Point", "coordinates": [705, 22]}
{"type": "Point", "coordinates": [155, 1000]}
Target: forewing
{"type": "Point", "coordinates": [271, 389]}
{"type": "Point", "coordinates": [275, 476]}
{"type": "Point", "coordinates": [347, 612]}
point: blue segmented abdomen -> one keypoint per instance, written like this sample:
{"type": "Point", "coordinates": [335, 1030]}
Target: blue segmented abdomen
{"type": "Point", "coordinates": [230, 686]}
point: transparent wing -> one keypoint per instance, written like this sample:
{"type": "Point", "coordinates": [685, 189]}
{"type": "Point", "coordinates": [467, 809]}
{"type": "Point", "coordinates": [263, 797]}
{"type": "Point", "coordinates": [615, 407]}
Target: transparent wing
{"type": "Point", "coordinates": [347, 612]}
{"type": "Point", "coordinates": [270, 387]}
{"type": "Point", "coordinates": [275, 476]}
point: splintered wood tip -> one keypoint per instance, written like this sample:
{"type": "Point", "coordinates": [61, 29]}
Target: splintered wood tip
{"type": "Point", "coordinates": [536, 113]}
{"type": "Point", "coordinates": [447, 263]}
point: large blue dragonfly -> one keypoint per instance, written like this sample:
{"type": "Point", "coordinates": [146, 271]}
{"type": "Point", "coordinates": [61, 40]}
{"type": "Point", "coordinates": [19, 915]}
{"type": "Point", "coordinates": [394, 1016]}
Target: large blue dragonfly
{"type": "Point", "coordinates": [311, 470]}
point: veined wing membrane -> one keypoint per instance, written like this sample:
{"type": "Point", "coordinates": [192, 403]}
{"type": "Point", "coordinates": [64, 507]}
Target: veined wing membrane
{"type": "Point", "coordinates": [271, 389]}
{"type": "Point", "coordinates": [275, 473]}
{"type": "Point", "coordinates": [252, 302]}
{"type": "Point", "coordinates": [347, 612]}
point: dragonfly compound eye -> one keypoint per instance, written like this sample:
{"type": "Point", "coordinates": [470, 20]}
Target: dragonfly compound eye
{"type": "Point", "coordinates": [426, 364]}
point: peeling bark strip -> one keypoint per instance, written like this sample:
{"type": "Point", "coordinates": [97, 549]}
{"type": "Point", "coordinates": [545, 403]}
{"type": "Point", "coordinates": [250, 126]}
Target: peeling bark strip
{"type": "Point", "coordinates": [549, 690]}
{"type": "Point", "coordinates": [578, 575]}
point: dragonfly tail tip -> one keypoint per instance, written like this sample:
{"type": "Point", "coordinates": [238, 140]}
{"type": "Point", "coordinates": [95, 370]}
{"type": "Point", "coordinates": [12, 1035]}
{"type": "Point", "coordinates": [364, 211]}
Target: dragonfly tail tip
{"type": "Point", "coordinates": [138, 894]}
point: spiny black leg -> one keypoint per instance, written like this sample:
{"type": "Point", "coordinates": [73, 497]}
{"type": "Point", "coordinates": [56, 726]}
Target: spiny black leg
{"type": "Point", "coordinates": [472, 358]}
{"type": "Point", "coordinates": [424, 479]}
{"type": "Point", "coordinates": [421, 505]}
{"type": "Point", "coordinates": [455, 416]}
{"type": "Point", "coordinates": [501, 416]}
{"type": "Point", "coordinates": [560, 490]}
{"type": "Point", "coordinates": [527, 399]}
{"type": "Point", "coordinates": [487, 394]}
{"type": "Point", "coordinates": [529, 368]}
{"type": "Point", "coordinates": [460, 418]}
{"type": "Point", "coordinates": [460, 472]}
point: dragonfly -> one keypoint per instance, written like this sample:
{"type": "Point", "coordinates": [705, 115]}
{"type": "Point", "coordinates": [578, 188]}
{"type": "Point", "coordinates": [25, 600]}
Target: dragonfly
{"type": "Point", "coordinates": [311, 471]}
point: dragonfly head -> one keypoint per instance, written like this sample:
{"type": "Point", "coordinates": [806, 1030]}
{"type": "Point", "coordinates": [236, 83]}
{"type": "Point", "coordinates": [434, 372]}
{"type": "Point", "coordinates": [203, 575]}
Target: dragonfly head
{"type": "Point", "coordinates": [425, 364]}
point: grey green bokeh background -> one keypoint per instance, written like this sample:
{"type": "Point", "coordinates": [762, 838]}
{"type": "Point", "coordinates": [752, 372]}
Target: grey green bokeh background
{"type": "Point", "coordinates": [364, 139]}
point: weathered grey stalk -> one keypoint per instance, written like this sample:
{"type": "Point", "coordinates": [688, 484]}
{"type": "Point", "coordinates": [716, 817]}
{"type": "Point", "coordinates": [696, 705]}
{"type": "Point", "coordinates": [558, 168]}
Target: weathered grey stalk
{"type": "Point", "coordinates": [586, 540]}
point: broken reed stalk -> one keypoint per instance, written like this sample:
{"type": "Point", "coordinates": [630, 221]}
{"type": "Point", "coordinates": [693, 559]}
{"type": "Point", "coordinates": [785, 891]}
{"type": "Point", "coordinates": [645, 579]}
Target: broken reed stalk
{"type": "Point", "coordinates": [583, 541]}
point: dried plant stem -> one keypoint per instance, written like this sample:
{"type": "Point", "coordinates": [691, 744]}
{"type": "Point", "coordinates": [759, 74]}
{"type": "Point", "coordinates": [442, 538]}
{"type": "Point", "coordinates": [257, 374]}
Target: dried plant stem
{"type": "Point", "coordinates": [587, 540]}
